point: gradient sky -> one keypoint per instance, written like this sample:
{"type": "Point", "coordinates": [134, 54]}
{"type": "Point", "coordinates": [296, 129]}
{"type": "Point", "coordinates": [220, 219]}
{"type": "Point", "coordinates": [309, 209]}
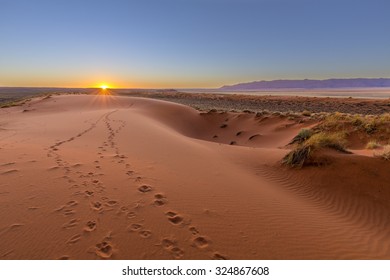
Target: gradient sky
{"type": "Point", "coordinates": [190, 43]}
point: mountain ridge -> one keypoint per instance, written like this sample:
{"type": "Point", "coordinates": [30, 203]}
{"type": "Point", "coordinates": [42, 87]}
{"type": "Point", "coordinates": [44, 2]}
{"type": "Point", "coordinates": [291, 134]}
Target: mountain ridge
{"type": "Point", "coordinates": [311, 84]}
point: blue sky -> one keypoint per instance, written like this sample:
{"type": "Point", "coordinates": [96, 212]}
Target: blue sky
{"type": "Point", "coordinates": [190, 43]}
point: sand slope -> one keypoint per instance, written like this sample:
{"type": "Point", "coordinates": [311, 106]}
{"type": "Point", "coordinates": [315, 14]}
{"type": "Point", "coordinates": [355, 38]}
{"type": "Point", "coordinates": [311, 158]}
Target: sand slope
{"type": "Point", "coordinates": [97, 177]}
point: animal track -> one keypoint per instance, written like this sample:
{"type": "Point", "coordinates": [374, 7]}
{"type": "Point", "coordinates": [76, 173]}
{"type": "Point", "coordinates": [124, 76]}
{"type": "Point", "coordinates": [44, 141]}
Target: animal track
{"type": "Point", "coordinates": [193, 230]}
{"type": "Point", "coordinates": [171, 246]}
{"type": "Point", "coordinates": [68, 212]}
{"type": "Point", "coordinates": [104, 250]}
{"type": "Point", "coordinates": [131, 215]}
{"type": "Point", "coordinates": [167, 243]}
{"type": "Point", "coordinates": [160, 200]}
{"type": "Point", "coordinates": [145, 233]}
{"type": "Point", "coordinates": [111, 203]}
{"type": "Point", "coordinates": [134, 227]}
{"type": "Point", "coordinates": [90, 226]}
{"type": "Point", "coordinates": [200, 242]}
{"type": "Point", "coordinates": [96, 205]}
{"type": "Point", "coordinates": [74, 239]}
{"type": "Point", "coordinates": [88, 193]}
{"type": "Point", "coordinates": [145, 188]}
{"type": "Point", "coordinates": [174, 218]}
{"type": "Point", "coordinates": [177, 252]}
{"type": "Point", "coordinates": [72, 203]}
{"type": "Point", "coordinates": [71, 223]}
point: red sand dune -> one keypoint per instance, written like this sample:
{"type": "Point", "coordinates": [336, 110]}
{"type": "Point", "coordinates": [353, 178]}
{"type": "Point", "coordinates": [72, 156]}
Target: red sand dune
{"type": "Point", "coordinates": [97, 177]}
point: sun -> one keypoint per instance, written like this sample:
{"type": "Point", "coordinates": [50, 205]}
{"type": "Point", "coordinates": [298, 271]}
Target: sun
{"type": "Point", "coordinates": [104, 87]}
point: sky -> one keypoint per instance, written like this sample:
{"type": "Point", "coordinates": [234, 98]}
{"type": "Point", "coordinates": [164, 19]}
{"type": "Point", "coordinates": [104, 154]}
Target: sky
{"type": "Point", "coordinates": [190, 43]}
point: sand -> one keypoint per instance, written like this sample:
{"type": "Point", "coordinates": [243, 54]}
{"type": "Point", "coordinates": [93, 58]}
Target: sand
{"type": "Point", "coordinates": [108, 177]}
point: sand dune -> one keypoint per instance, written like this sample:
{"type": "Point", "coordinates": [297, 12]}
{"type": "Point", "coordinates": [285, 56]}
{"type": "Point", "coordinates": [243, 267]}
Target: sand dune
{"type": "Point", "coordinates": [107, 177]}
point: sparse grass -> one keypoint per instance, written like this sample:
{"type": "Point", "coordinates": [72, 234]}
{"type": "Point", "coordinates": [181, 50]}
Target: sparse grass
{"type": "Point", "coordinates": [298, 156]}
{"type": "Point", "coordinates": [385, 153]}
{"type": "Point", "coordinates": [302, 136]}
{"type": "Point", "coordinates": [373, 145]}
{"type": "Point", "coordinates": [304, 151]}
{"type": "Point", "coordinates": [335, 141]}
{"type": "Point", "coordinates": [335, 130]}
{"type": "Point", "coordinates": [11, 104]}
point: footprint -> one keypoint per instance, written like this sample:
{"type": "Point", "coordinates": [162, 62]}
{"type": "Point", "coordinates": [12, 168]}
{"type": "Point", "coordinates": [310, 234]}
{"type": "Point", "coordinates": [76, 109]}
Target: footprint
{"type": "Point", "coordinates": [145, 188]}
{"type": "Point", "coordinates": [130, 172]}
{"type": "Point", "coordinates": [131, 215]}
{"type": "Point", "coordinates": [223, 125]}
{"type": "Point", "coordinates": [159, 196]}
{"type": "Point", "coordinates": [111, 203]}
{"type": "Point", "coordinates": [71, 223]}
{"type": "Point", "coordinates": [177, 252]}
{"type": "Point", "coordinates": [174, 218]}
{"type": "Point", "coordinates": [90, 226]}
{"type": "Point", "coordinates": [167, 243]}
{"type": "Point", "coordinates": [233, 143]}
{"type": "Point", "coordinates": [96, 205]}
{"type": "Point", "coordinates": [239, 133]}
{"type": "Point", "coordinates": [200, 242]}
{"type": "Point", "coordinates": [74, 239]}
{"type": "Point", "coordinates": [145, 233]}
{"type": "Point", "coordinates": [124, 209]}
{"type": "Point", "coordinates": [134, 227]}
{"type": "Point", "coordinates": [88, 193]}
{"type": "Point", "coordinates": [160, 200]}
{"type": "Point", "coordinates": [218, 256]}
{"type": "Point", "coordinates": [68, 212]}
{"type": "Point", "coordinates": [72, 203]}
{"type": "Point", "coordinates": [170, 214]}
{"type": "Point", "coordinates": [104, 250]}
{"type": "Point", "coordinates": [193, 230]}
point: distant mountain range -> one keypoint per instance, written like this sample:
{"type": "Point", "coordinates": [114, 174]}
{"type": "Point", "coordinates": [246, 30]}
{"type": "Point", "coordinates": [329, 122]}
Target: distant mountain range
{"type": "Point", "coordinates": [310, 84]}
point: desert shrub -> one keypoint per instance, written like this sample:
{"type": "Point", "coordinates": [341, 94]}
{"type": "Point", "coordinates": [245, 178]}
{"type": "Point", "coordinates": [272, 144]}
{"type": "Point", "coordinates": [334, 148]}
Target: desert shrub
{"type": "Point", "coordinates": [303, 152]}
{"type": "Point", "coordinates": [335, 141]}
{"type": "Point", "coordinates": [306, 113]}
{"type": "Point", "coordinates": [357, 120]}
{"type": "Point", "coordinates": [372, 145]}
{"type": "Point", "coordinates": [370, 126]}
{"type": "Point", "coordinates": [302, 136]}
{"type": "Point", "coordinates": [298, 156]}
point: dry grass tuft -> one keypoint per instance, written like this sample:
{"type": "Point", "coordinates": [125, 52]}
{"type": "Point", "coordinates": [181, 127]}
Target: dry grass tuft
{"type": "Point", "coordinates": [373, 145]}
{"type": "Point", "coordinates": [384, 154]}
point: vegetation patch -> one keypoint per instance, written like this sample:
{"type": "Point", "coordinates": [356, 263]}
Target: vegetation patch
{"type": "Point", "coordinates": [384, 154]}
